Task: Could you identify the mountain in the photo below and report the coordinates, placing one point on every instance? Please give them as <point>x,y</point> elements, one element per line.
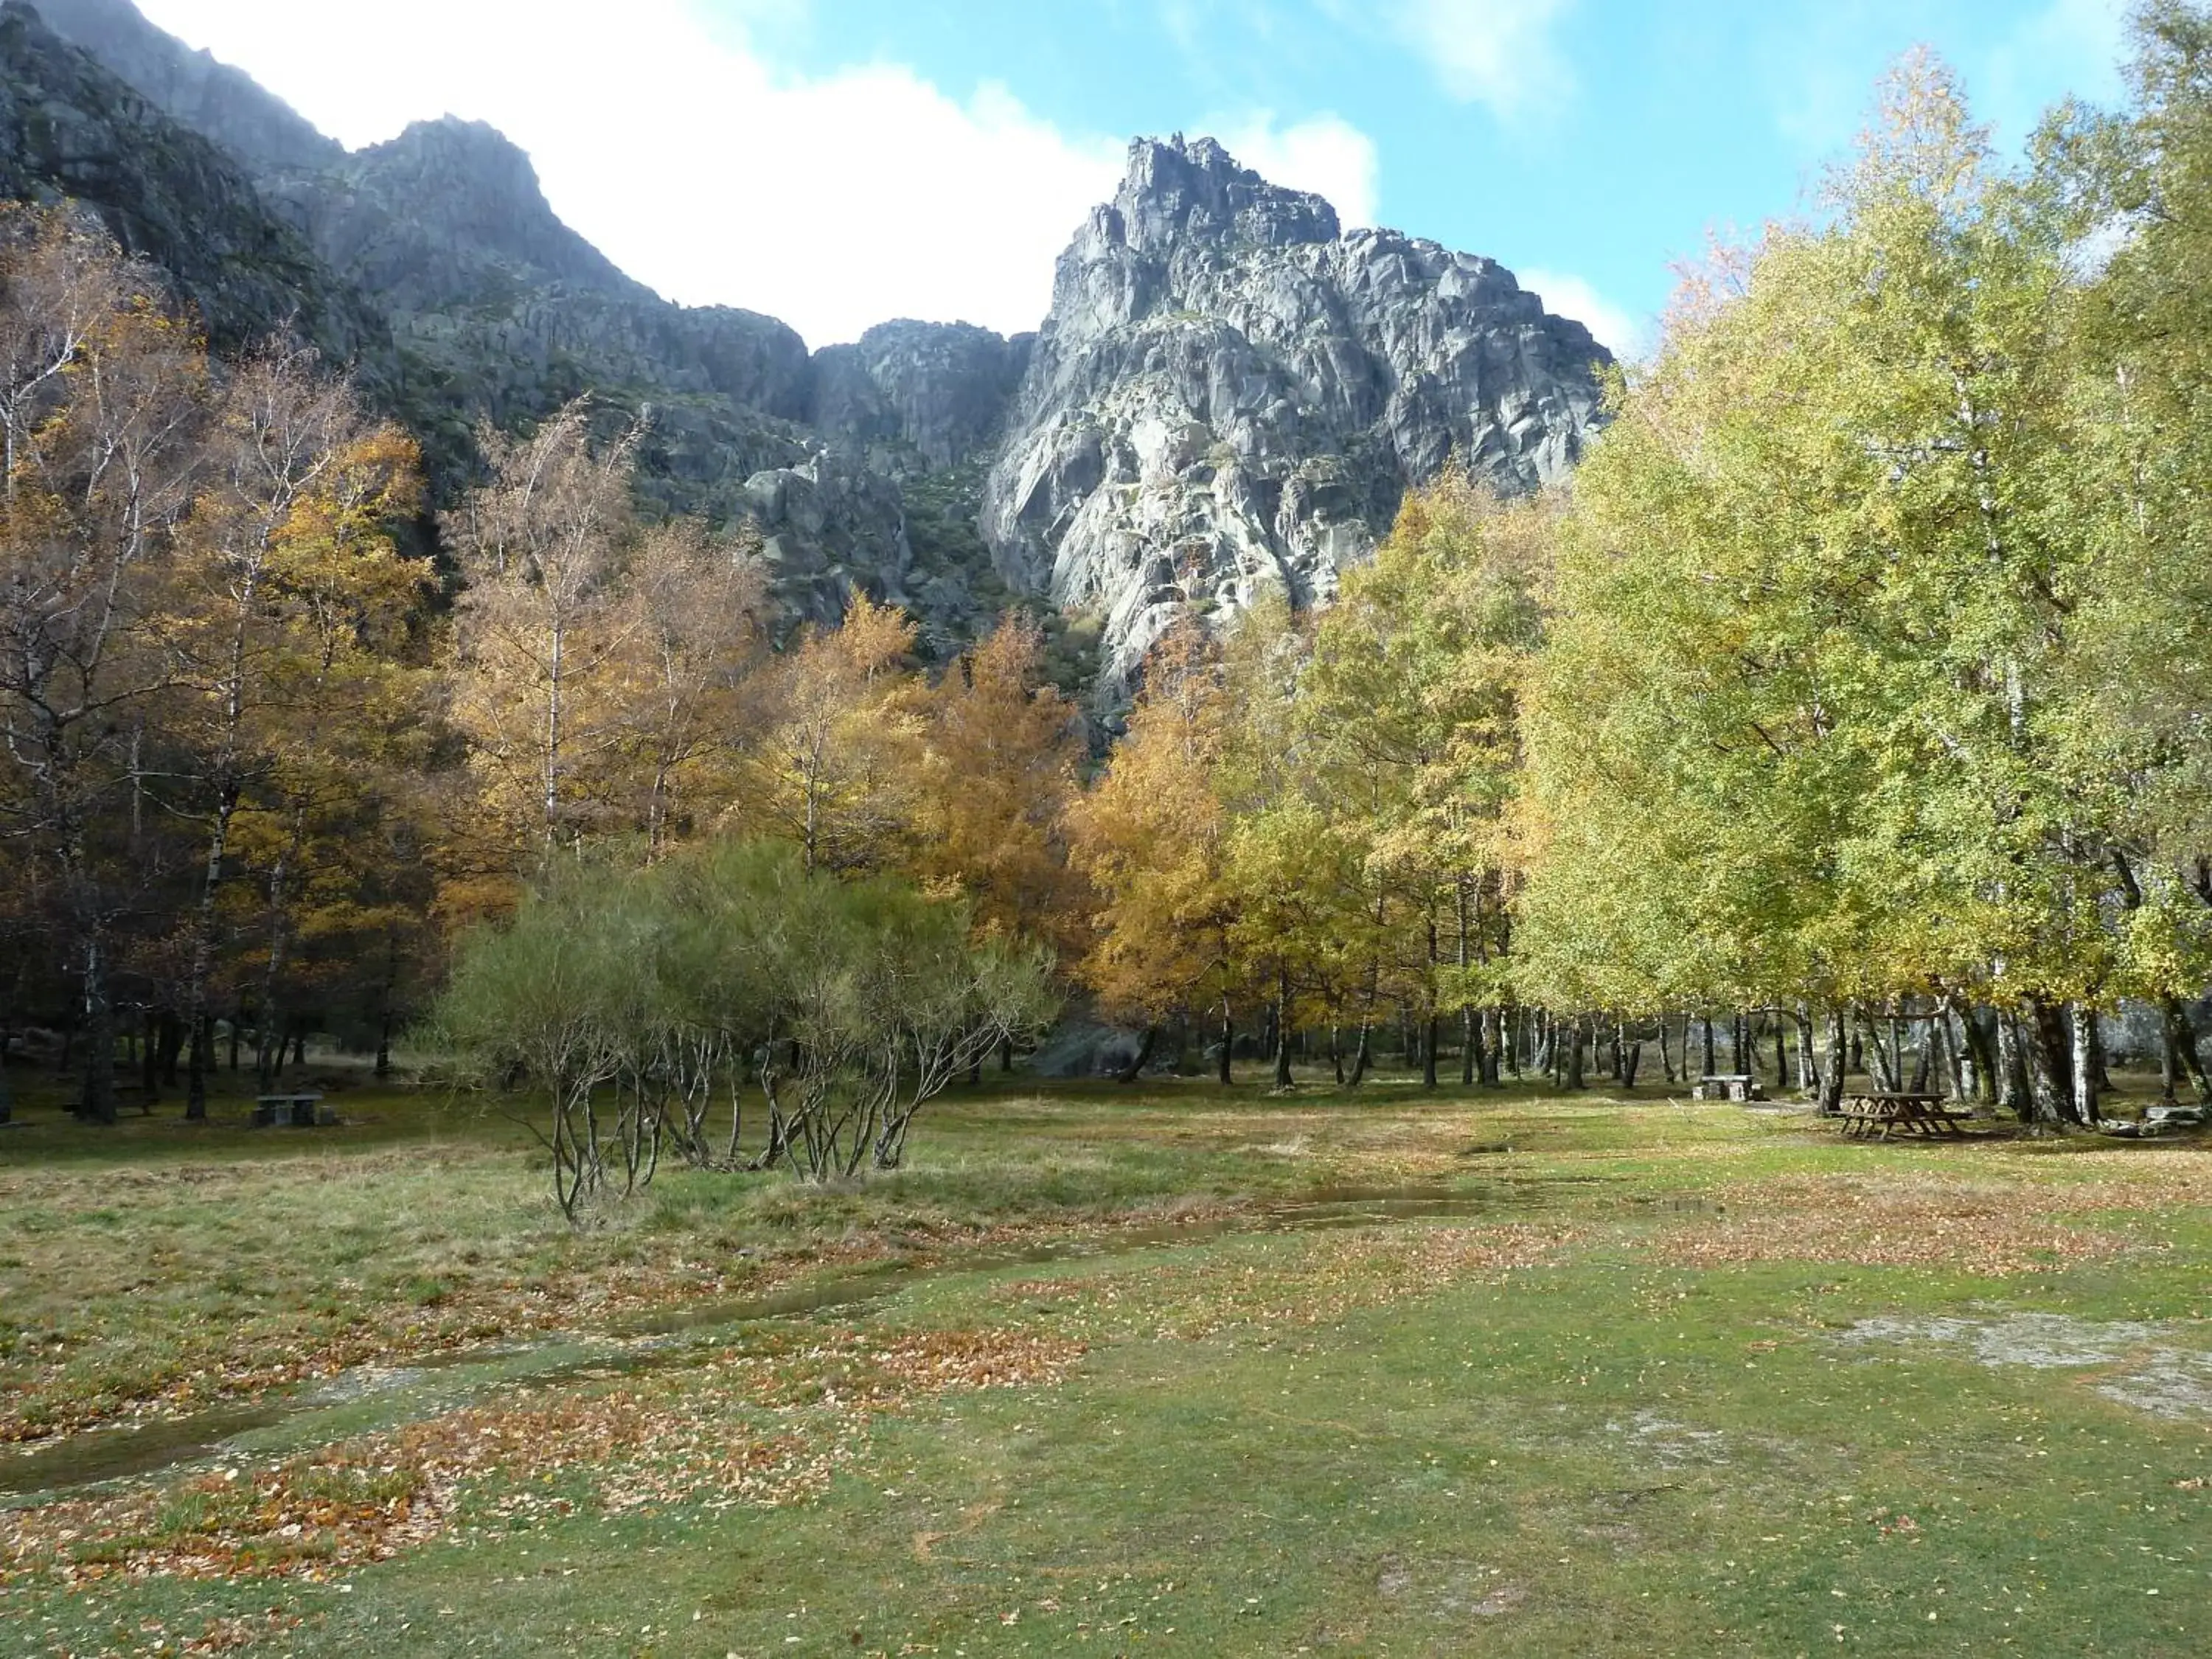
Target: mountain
<point>1227,392</point>
<point>69,129</point>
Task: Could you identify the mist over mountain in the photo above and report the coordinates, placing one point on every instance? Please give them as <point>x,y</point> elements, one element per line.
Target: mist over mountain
<point>1227,393</point>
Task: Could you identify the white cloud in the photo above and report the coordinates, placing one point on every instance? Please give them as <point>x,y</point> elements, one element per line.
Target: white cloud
<point>1499,52</point>
<point>1571,296</point>
<point>832,203</point>
<point>1325,153</point>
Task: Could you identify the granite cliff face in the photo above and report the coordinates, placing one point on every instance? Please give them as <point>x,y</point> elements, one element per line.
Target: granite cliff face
<point>918,397</point>
<point>1230,394</point>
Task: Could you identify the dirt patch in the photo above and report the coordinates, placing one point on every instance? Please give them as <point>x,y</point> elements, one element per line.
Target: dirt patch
<point>1448,1590</point>
<point>2141,1365</point>
<point>1673,1445</point>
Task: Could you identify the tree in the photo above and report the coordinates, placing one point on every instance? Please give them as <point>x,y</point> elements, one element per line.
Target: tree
<point>1413,707</point>
<point>99,399</point>
<point>540,627</point>
<point>695,624</point>
<point>853,1004</point>
<point>996,759</point>
<point>832,765</point>
<point>1149,837</point>
<point>283,599</point>
<point>1809,725</point>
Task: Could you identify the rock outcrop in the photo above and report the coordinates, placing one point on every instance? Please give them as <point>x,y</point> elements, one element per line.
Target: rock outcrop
<point>1230,394</point>
<point>918,397</point>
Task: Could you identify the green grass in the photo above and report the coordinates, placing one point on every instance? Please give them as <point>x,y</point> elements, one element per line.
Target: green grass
<point>1621,1408</point>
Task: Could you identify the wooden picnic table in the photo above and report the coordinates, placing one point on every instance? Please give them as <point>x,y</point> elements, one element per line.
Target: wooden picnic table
<point>1881,1111</point>
<point>300,1111</point>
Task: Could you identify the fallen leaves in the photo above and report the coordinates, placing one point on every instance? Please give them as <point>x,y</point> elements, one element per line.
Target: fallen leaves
<point>756,1429</point>
<point>1902,1219</point>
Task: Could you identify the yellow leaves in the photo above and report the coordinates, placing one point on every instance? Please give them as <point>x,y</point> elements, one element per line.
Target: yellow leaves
<point>831,765</point>
<point>1149,837</point>
<point>996,761</point>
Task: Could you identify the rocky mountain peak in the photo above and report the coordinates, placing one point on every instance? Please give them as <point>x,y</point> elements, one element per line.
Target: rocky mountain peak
<point>1231,395</point>
<point>466,183</point>
<point>1178,191</point>
<point>224,104</point>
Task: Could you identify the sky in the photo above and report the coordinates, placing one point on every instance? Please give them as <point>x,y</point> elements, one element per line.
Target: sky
<point>839,162</point>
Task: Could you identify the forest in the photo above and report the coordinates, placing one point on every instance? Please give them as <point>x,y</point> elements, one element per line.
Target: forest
<point>1849,710</point>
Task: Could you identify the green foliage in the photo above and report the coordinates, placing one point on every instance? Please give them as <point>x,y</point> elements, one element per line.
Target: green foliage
<point>851,1003</point>
<point>1829,707</point>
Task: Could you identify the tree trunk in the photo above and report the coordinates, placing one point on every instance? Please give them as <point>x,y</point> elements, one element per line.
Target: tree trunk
<point>1135,1068</point>
<point>2181,1045</point>
<point>96,1098</point>
<point>1283,1079</point>
<point>1983,1057</point>
<point>1228,1042</point>
<point>1360,1058</point>
<point>2050,1062</point>
<point>202,1041</point>
<point>1808,1070</point>
<point>2088,1063</point>
<point>1881,1069</point>
<point>172,1045</point>
<point>1832,1077</point>
<point>1431,1029</point>
<point>2012,1069</point>
<point>1491,1032</point>
<point>1470,1045</point>
<point>1954,1073</point>
<point>1710,1066</point>
<point>1577,1035</point>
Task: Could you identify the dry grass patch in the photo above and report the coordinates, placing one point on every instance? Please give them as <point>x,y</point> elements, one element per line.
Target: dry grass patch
<point>1317,1280</point>
<point>1901,1219</point>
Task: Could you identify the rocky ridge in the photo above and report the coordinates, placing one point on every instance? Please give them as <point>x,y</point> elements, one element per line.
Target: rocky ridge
<point>1229,393</point>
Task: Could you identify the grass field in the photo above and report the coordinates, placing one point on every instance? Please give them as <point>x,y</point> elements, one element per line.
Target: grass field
<point>1163,1370</point>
